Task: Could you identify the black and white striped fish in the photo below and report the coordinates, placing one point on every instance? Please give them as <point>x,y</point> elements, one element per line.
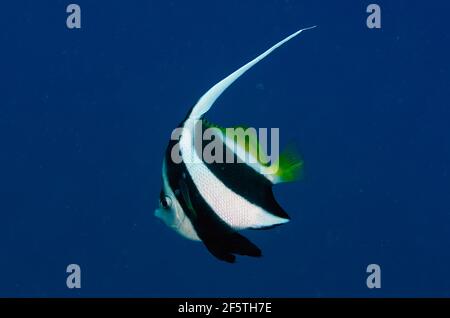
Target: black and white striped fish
<point>212,202</point>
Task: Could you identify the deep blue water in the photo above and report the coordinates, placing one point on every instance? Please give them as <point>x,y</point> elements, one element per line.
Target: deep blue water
<point>85,116</point>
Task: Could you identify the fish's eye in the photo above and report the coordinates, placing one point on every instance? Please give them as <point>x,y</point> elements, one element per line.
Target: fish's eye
<point>166,202</point>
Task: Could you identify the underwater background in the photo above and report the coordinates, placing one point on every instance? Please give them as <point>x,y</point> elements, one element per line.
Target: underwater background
<point>86,114</point>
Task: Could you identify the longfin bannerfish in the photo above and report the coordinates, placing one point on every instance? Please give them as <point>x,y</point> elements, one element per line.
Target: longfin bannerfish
<point>212,202</point>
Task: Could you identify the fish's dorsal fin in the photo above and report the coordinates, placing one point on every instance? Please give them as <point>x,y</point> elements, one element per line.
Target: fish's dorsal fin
<point>208,99</point>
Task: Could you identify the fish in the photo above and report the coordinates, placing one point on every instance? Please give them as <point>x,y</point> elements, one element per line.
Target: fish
<point>213,202</point>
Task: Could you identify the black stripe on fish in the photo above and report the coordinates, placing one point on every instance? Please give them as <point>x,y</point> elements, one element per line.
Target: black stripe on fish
<point>219,238</point>
<point>247,183</point>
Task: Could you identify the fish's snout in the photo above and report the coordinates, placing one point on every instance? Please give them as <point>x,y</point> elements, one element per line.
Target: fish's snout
<point>158,213</point>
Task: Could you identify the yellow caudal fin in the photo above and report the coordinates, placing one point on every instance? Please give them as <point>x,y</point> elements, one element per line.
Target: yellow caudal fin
<point>288,167</point>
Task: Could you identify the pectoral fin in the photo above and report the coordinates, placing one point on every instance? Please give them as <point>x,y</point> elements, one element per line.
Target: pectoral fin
<point>185,193</point>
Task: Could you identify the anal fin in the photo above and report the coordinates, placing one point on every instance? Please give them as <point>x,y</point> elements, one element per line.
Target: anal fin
<point>224,246</point>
